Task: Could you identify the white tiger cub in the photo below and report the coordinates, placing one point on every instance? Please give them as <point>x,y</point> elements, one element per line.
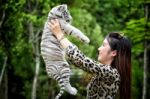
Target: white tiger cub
<point>52,52</point>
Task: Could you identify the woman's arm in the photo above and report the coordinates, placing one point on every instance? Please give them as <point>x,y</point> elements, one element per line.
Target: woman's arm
<point>77,57</point>
<point>87,64</point>
<point>55,27</point>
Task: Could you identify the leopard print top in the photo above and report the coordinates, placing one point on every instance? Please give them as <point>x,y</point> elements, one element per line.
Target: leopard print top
<point>105,83</point>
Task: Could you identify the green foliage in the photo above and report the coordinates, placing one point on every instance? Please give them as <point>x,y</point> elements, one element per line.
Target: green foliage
<point>137,79</point>
<point>95,18</point>
<point>135,29</point>
<point>90,28</point>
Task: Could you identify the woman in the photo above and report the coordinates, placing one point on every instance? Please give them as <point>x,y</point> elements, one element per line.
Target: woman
<point>113,71</point>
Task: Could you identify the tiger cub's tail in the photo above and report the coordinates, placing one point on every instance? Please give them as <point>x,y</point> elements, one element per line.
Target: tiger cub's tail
<point>64,83</point>
<point>61,85</point>
<point>60,92</point>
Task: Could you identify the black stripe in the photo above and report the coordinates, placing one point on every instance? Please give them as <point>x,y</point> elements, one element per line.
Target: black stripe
<point>51,13</point>
<point>61,82</point>
<point>71,32</point>
<point>58,79</point>
<point>58,16</point>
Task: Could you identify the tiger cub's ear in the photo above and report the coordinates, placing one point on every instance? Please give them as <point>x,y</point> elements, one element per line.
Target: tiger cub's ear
<point>62,7</point>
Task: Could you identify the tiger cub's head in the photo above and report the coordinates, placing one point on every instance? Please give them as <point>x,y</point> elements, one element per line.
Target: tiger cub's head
<point>60,12</point>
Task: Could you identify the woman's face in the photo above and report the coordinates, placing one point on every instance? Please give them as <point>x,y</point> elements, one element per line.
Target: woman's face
<point>106,55</point>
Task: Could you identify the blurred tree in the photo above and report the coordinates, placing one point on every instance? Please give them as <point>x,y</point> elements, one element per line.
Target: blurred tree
<point>21,24</point>
<point>146,49</point>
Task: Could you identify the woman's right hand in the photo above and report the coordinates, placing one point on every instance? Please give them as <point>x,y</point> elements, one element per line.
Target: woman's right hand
<point>55,28</point>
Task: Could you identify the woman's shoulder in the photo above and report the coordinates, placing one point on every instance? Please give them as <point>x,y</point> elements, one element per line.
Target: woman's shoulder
<point>89,64</point>
<point>108,71</point>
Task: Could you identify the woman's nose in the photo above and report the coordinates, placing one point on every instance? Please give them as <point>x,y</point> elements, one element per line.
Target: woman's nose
<point>99,48</point>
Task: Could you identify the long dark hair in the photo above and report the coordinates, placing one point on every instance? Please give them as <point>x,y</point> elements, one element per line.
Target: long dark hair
<point>122,61</point>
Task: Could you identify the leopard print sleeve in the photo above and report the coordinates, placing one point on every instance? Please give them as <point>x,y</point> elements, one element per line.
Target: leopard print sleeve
<point>80,60</point>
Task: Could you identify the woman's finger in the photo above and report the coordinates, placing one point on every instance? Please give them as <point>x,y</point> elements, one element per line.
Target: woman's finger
<point>50,25</point>
<point>56,21</point>
<point>52,22</point>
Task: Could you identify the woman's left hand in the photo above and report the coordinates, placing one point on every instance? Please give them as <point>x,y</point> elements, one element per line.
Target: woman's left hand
<point>56,29</point>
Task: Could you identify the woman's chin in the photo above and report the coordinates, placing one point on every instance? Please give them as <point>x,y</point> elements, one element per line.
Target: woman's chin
<point>99,60</point>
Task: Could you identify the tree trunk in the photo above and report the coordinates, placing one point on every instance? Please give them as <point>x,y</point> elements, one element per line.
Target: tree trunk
<point>3,70</point>
<point>145,52</point>
<point>6,86</point>
<point>37,60</point>
<point>33,39</point>
<point>2,19</point>
<point>145,74</point>
<point>4,81</point>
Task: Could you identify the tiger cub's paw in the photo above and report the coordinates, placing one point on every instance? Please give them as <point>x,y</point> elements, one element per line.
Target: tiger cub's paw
<point>73,91</point>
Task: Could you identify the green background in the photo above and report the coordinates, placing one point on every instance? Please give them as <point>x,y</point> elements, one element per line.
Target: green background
<point>21,25</point>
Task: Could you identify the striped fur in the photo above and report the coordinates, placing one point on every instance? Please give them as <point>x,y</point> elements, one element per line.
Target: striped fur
<point>52,52</point>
